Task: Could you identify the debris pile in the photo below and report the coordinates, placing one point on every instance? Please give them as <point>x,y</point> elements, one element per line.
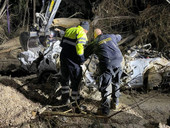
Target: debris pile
<point>144,67</point>
<point>139,22</point>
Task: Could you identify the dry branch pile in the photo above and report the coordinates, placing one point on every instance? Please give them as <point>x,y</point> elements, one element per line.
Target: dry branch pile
<point>3,23</point>
<point>154,25</point>
<point>141,21</point>
<point>149,21</point>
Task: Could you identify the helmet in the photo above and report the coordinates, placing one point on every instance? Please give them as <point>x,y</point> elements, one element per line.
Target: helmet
<point>85,25</point>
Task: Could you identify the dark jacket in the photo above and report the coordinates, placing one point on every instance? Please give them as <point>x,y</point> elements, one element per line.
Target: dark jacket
<point>106,48</point>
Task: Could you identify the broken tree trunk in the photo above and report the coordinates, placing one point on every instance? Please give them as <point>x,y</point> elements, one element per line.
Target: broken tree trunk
<point>134,41</point>
<point>34,10</point>
<point>8,53</point>
<point>11,43</point>
<point>66,22</point>
<point>10,49</point>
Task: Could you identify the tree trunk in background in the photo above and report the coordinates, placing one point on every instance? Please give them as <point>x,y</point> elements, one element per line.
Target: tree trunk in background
<point>25,13</point>
<point>34,10</point>
<point>3,8</point>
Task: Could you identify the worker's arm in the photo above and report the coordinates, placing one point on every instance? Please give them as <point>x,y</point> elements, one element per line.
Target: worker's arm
<point>116,38</point>
<point>90,48</point>
<point>81,41</point>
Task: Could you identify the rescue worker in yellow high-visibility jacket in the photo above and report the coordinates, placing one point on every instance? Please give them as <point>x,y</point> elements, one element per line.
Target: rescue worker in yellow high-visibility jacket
<point>71,57</point>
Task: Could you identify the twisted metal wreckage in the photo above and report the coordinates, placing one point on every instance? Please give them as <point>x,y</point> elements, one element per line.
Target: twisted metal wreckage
<point>142,66</point>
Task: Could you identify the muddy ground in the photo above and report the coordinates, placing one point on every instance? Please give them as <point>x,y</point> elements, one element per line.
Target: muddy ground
<point>23,107</point>
<point>25,103</point>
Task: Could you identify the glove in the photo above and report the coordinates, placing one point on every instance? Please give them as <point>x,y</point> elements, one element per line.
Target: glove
<point>81,59</point>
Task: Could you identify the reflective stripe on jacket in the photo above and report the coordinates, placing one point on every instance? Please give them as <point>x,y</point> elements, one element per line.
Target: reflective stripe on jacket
<point>73,44</point>
<point>106,48</point>
<point>77,37</point>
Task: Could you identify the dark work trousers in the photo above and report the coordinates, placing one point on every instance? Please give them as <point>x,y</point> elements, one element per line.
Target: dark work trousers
<point>73,72</point>
<point>109,84</point>
<point>117,72</point>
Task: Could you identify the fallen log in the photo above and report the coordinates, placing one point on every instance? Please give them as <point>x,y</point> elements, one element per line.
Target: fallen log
<point>9,49</point>
<point>134,41</point>
<point>11,43</point>
<point>66,22</point>
<point>57,113</point>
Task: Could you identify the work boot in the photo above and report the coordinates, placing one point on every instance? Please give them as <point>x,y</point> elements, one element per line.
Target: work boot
<point>114,106</point>
<point>64,102</point>
<point>104,111</point>
<point>65,99</point>
<point>105,107</point>
<point>114,103</point>
<point>75,105</point>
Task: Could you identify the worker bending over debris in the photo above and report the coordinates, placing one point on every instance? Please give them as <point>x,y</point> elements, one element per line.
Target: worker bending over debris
<point>110,57</point>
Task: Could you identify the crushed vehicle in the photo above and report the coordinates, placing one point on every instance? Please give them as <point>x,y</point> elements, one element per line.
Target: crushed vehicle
<point>145,68</point>
<point>42,63</point>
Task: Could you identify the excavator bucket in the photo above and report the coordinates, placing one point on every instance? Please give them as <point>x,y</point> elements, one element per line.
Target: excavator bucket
<point>36,38</point>
<point>31,43</point>
<point>24,38</point>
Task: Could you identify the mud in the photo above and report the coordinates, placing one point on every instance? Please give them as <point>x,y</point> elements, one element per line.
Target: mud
<point>20,105</point>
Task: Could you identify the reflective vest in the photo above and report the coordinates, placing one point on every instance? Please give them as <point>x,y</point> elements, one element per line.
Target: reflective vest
<point>77,37</point>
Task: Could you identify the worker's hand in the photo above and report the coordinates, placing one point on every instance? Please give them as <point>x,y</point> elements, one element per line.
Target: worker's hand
<point>81,60</point>
<point>81,63</point>
<point>83,67</point>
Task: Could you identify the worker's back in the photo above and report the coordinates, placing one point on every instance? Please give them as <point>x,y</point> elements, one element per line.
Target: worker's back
<point>107,49</point>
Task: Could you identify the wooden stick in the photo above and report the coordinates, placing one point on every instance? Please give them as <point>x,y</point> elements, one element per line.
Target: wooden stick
<point>25,13</point>
<point>126,39</point>
<point>51,113</point>
<point>34,10</point>
<point>10,49</point>
<point>3,7</point>
<point>113,18</point>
